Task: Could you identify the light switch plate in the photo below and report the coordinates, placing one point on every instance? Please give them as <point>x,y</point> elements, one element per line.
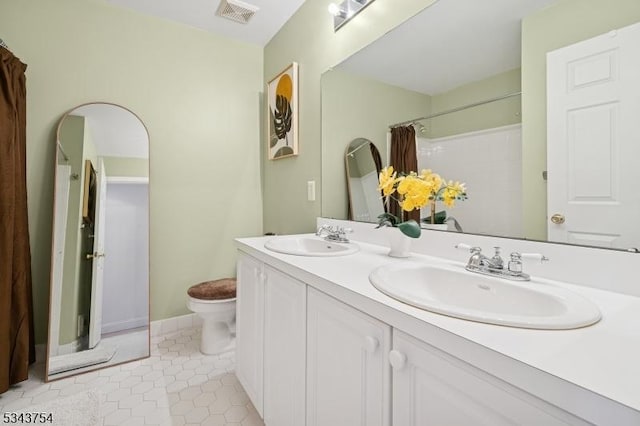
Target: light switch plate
<point>311,190</point>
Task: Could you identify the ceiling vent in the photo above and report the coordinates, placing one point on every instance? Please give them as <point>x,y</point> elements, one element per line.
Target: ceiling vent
<point>236,10</point>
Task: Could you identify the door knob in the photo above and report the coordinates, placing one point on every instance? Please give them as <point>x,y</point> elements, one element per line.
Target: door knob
<point>95,255</point>
<point>397,359</point>
<point>557,218</point>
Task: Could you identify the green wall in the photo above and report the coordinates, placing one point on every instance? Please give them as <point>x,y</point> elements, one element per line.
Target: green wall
<point>308,38</point>
<point>356,107</point>
<point>488,116</point>
<point>564,23</point>
<point>126,166</point>
<point>199,96</point>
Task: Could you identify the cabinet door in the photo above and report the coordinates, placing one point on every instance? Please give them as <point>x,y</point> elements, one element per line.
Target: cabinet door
<point>348,374</point>
<point>249,327</point>
<point>434,388</point>
<point>284,349</point>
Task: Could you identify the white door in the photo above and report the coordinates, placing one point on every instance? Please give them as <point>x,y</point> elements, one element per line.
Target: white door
<point>63,184</point>
<point>593,140</point>
<point>348,373</point>
<point>284,349</point>
<point>97,276</point>
<point>250,328</point>
<point>431,388</point>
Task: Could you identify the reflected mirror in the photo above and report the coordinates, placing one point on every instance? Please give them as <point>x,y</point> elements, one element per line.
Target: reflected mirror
<point>363,164</point>
<point>472,78</point>
<point>99,297</point>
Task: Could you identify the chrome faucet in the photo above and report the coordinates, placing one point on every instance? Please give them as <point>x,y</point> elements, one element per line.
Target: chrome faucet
<point>336,234</point>
<point>494,266</point>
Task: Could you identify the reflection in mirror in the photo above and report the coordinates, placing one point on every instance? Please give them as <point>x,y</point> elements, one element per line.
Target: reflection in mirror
<point>363,164</point>
<point>458,53</point>
<point>99,308</point>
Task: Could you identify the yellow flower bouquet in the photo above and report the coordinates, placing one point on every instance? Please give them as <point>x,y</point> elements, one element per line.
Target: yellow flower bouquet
<point>414,191</point>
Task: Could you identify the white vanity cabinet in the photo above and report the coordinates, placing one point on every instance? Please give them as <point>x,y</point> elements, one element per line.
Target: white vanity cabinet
<point>432,388</point>
<point>306,358</point>
<point>271,341</point>
<point>348,373</point>
<point>249,328</point>
<point>284,349</point>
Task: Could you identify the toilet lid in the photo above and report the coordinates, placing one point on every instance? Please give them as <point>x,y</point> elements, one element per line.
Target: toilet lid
<point>224,288</point>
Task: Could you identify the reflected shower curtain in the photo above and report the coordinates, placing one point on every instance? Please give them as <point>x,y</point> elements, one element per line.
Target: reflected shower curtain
<point>404,158</point>
<point>16,309</point>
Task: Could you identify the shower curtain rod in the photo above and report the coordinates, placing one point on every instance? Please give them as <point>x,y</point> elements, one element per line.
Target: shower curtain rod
<point>475,104</point>
<point>360,146</point>
<point>64,154</point>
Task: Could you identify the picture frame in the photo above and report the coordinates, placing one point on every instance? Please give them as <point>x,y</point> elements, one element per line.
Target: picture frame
<point>282,114</point>
<point>89,193</point>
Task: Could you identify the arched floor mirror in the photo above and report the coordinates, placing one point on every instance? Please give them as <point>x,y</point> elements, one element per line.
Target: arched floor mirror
<point>99,297</point>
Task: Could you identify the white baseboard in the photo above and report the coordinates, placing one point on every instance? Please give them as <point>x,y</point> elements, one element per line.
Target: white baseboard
<point>175,324</point>
<point>113,327</point>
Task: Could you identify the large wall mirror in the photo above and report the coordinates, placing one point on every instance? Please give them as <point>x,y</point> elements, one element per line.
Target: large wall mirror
<point>543,158</point>
<point>99,309</point>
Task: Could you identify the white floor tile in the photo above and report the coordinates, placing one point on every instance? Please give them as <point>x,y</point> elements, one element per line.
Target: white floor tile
<point>176,386</point>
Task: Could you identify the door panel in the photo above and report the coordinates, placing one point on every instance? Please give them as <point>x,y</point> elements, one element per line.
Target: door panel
<point>593,140</point>
<point>249,328</point>
<point>348,373</point>
<point>285,301</point>
<point>432,388</point>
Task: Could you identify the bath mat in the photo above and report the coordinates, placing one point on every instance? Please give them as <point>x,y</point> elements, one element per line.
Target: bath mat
<point>81,409</point>
<point>99,355</point>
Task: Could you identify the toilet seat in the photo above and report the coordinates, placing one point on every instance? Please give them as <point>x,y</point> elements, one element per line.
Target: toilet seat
<point>216,290</point>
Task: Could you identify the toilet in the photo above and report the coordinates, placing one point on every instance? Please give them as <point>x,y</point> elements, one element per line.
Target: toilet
<point>215,303</point>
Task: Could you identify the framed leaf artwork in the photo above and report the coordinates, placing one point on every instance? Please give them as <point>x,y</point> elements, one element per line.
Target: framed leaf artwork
<point>282,102</point>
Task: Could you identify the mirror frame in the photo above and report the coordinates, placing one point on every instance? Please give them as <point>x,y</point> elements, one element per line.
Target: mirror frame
<point>47,377</point>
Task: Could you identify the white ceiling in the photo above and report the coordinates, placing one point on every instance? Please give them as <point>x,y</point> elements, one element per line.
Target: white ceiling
<point>451,43</point>
<point>115,131</point>
<point>201,14</point>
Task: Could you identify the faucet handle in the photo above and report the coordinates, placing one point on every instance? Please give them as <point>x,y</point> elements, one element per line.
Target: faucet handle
<point>347,230</point>
<point>462,246</point>
<point>533,256</point>
<point>497,260</point>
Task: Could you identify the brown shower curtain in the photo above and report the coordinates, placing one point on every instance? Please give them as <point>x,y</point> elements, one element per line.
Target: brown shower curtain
<point>17,349</point>
<point>403,158</point>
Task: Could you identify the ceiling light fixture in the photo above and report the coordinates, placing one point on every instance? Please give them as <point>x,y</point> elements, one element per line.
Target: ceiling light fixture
<point>346,11</point>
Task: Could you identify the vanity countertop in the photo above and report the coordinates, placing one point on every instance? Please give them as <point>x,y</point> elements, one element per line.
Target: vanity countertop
<point>581,365</point>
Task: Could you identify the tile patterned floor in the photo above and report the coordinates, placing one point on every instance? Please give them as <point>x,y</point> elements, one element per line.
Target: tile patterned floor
<point>176,386</point>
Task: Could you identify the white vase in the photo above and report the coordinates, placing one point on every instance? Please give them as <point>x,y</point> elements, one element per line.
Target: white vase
<point>399,244</point>
<point>436,226</point>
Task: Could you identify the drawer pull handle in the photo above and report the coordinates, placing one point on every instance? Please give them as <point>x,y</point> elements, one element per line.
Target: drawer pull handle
<point>397,359</point>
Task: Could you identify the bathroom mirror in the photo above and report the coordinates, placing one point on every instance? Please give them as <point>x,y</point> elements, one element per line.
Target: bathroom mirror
<point>493,55</point>
<point>363,164</point>
<point>99,297</point>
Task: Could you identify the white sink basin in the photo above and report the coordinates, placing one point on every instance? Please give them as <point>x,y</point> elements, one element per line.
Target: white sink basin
<point>462,294</point>
<point>310,246</point>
